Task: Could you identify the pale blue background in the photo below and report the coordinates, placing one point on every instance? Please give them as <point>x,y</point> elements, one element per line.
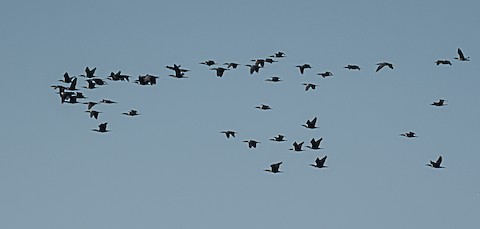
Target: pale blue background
<point>171,168</point>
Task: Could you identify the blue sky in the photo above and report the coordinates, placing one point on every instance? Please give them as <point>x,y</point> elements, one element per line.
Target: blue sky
<point>171,166</point>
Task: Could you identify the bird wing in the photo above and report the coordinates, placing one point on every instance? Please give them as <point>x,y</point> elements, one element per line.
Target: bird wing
<point>380,66</point>
<point>314,121</point>
<point>439,160</point>
<point>321,162</point>
<point>460,54</point>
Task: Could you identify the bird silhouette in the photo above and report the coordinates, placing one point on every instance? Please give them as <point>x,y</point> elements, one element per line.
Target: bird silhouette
<point>444,62</point>
<point>102,128</point>
<point>220,71</point>
<point>231,65</point>
<point>228,133</point>
<point>461,57</point>
<point>264,107</point>
<point>383,64</point>
<point>278,138</point>
<point>325,74</point>
<point>89,73</point>
<point>303,67</point>
<point>131,113</point>
<point>441,102</point>
<point>274,168</point>
<point>278,55</point>
<point>274,79</point>
<point>315,144</point>
<point>253,68</point>
<point>436,164</point>
<point>259,62</point>
<point>179,72</point>
<point>311,124</point>
<point>320,163</point>
<point>66,78</point>
<point>90,85</point>
<point>208,62</point>
<point>107,101</point>
<point>270,60</point>
<point>93,113</point>
<point>90,104</point>
<point>309,85</point>
<point>252,143</point>
<point>73,84</point>
<point>352,67</point>
<point>297,147</point>
<point>409,134</point>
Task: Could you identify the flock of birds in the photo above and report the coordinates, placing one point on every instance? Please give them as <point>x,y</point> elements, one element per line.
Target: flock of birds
<point>70,94</point>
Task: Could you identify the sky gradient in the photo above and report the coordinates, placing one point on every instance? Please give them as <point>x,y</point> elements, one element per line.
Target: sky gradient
<point>172,168</point>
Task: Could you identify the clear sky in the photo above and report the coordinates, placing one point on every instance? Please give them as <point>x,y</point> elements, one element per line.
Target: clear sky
<point>172,168</point>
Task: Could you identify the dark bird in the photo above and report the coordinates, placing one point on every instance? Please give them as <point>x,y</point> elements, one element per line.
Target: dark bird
<point>231,64</point>
<point>274,79</point>
<point>93,113</point>
<point>278,55</point>
<point>409,134</point>
<point>66,78</point>
<point>352,67</point>
<point>72,99</point>
<point>146,79</point>
<point>73,85</point>
<point>264,107</point>
<point>90,85</point>
<point>208,62</point>
<point>259,62</point>
<point>445,62</point>
<point>89,73</point>
<point>98,81</point>
<point>90,104</point>
<point>251,143</point>
<point>179,72</point>
<point>80,95</point>
<point>461,57</point>
<point>311,124</point>
<point>118,76</point>
<point>220,71</point>
<point>320,163</point>
<point>303,67</point>
<point>270,60</point>
<point>383,64</point>
<point>441,102</point>
<point>131,113</point>
<point>253,68</point>
<point>436,164</point>
<point>274,168</point>
<point>107,101</point>
<point>297,147</point>
<point>325,74</point>
<point>228,133</point>
<point>279,138</point>
<point>315,144</point>
<point>309,85</point>
<point>102,128</point>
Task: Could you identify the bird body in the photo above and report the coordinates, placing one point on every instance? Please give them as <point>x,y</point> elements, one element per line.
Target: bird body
<point>320,163</point>
<point>315,144</point>
<point>251,143</point>
<point>311,124</point>
<point>309,85</point>
<point>444,62</point>
<point>229,133</point>
<point>383,64</point>
<point>325,74</point>
<point>303,67</point>
<point>352,67</point>
<point>441,102</point>
<point>297,147</point>
<point>131,113</point>
<point>278,138</point>
<point>461,57</point>
<point>102,128</point>
<point>264,107</point>
<point>409,134</point>
<point>274,79</point>
<point>220,71</point>
<point>436,164</point>
<point>274,168</point>
<point>93,113</point>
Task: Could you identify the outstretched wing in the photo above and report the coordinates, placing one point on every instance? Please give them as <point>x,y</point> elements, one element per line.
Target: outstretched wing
<point>460,54</point>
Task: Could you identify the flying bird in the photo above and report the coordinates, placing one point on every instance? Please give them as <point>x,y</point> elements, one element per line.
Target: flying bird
<point>220,71</point>
<point>263,107</point>
<point>352,67</point>
<point>297,147</point>
<point>461,57</point>
<point>325,74</point>
<point>231,64</point>
<point>320,163</point>
<point>73,85</point>
<point>444,62</point>
<point>303,67</point>
<point>89,73</point>
<point>274,79</point>
<point>383,64</point>
<point>274,168</point>
<point>270,60</point>
<point>436,164</point>
<point>208,62</point>
<point>441,102</point>
<point>228,133</point>
<point>252,143</point>
<point>311,124</point>
<point>66,78</point>
<point>409,134</point>
<point>253,68</point>
<point>93,113</point>
<point>315,144</point>
<point>90,85</point>
<point>102,128</point>
<point>259,62</point>
<point>107,101</point>
<point>90,104</point>
<point>131,113</point>
<point>309,85</point>
<point>278,55</point>
<point>278,138</point>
